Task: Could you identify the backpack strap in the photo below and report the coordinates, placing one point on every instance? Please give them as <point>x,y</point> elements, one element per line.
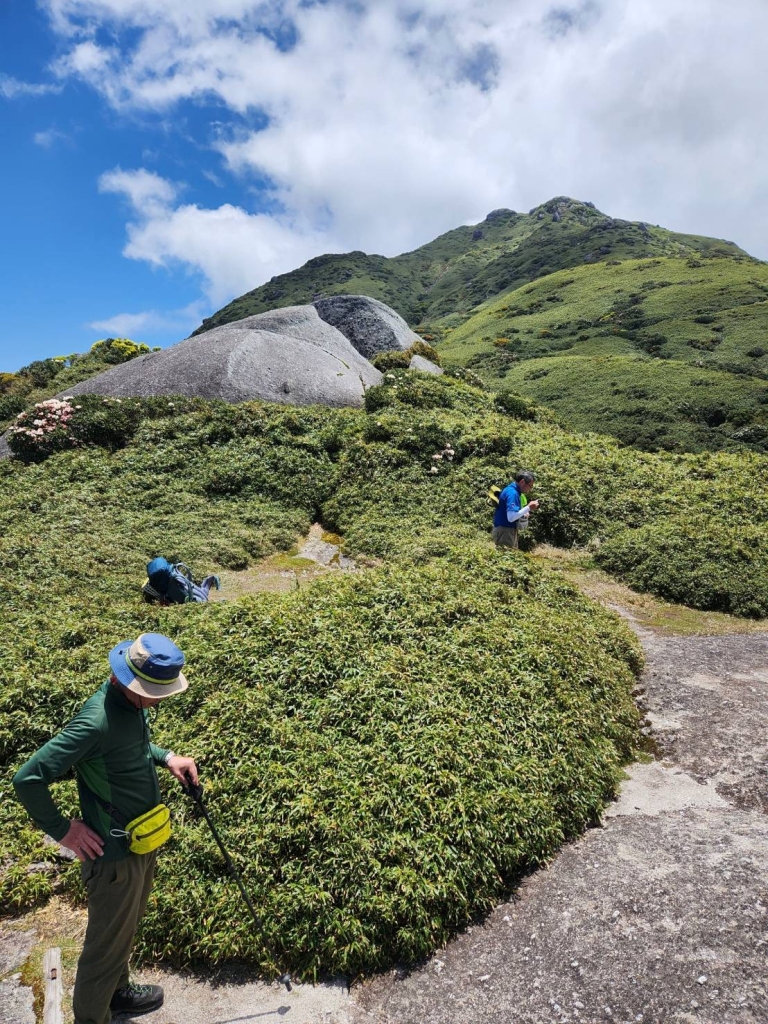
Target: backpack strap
<point>185,573</point>
<point>111,810</point>
<point>150,593</point>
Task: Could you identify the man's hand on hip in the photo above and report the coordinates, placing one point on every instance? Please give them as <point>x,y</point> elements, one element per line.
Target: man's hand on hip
<point>83,841</point>
<point>179,766</point>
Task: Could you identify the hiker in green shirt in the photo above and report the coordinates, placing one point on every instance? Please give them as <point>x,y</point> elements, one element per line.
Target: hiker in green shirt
<point>108,745</point>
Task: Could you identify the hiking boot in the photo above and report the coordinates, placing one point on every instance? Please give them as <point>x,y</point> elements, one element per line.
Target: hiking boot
<point>136,999</point>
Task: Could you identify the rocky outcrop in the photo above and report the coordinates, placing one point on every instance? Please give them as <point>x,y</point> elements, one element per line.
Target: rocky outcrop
<point>287,355</point>
<point>370,325</point>
<point>501,214</point>
<point>298,355</point>
<point>425,365</point>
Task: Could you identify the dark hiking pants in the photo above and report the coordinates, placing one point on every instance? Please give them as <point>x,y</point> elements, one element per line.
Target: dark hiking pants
<point>505,536</point>
<point>117,896</point>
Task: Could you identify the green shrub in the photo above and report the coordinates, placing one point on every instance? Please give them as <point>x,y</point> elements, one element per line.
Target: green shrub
<point>465,375</point>
<point>702,560</point>
<point>35,382</point>
<point>400,359</point>
<point>363,749</point>
<point>385,750</point>
<point>41,372</point>
<point>650,405</point>
<point>423,348</point>
<point>44,429</point>
<point>11,404</point>
<point>55,425</point>
<point>423,391</point>
<point>7,380</point>
<point>515,405</point>
<point>395,360</point>
<point>118,350</point>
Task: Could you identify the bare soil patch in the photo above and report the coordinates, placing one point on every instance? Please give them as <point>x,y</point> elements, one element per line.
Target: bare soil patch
<point>315,555</point>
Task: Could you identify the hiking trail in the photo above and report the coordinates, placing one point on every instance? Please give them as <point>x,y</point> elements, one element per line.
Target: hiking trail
<point>657,916</point>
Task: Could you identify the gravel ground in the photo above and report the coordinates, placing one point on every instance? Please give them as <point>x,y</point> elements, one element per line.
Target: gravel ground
<point>15,998</point>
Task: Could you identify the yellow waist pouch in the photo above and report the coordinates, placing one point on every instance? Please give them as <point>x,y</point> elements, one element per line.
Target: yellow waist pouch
<point>148,831</point>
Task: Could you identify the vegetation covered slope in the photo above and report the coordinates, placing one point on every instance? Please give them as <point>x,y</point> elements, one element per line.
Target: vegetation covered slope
<point>566,279</point>
<point>470,264</point>
<point>387,751</point>
<point>709,312</point>
<point>649,403</point>
<point>663,353</point>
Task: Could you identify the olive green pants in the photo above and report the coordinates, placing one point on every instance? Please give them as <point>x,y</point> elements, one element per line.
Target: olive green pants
<point>117,897</point>
<point>505,536</point>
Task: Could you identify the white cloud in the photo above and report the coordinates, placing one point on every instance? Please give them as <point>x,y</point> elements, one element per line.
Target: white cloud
<point>232,249</point>
<point>228,246</point>
<point>150,322</point>
<point>388,122</point>
<point>86,59</point>
<point>11,87</point>
<point>214,178</point>
<point>145,190</point>
<point>47,138</point>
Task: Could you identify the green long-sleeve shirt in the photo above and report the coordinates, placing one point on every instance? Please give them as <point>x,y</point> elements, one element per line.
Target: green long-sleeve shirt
<point>108,744</point>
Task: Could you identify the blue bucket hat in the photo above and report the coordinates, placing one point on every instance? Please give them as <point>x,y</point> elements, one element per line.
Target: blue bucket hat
<point>150,666</point>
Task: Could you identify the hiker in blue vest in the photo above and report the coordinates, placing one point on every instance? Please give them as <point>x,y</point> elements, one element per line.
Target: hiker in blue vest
<point>513,509</point>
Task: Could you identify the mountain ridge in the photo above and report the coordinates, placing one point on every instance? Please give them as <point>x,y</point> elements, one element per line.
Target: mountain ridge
<point>471,263</point>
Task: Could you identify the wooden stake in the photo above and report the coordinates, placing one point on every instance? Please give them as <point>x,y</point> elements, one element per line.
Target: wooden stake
<point>54,986</point>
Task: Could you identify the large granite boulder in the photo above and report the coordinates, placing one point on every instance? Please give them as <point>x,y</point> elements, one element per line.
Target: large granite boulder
<point>425,365</point>
<point>296,355</point>
<point>286,355</point>
<point>370,325</point>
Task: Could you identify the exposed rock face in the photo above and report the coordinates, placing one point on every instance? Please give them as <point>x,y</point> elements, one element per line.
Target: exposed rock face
<point>298,355</point>
<point>287,355</point>
<point>425,365</point>
<point>501,214</point>
<point>370,325</point>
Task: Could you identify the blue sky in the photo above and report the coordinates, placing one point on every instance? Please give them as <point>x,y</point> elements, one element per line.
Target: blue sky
<point>63,267</point>
<point>163,156</point>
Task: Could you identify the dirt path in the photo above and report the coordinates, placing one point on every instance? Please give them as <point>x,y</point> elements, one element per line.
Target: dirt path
<point>658,916</point>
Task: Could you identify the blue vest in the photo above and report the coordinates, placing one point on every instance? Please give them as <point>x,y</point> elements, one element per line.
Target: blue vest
<point>509,499</point>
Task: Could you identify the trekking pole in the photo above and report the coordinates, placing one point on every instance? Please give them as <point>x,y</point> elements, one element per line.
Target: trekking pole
<point>196,792</point>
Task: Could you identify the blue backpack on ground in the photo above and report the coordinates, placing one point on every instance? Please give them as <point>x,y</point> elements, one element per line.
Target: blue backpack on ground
<point>172,583</point>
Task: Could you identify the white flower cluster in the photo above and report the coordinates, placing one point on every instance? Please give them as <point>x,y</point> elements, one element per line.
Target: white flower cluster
<point>393,377</point>
<point>446,455</point>
<point>46,417</point>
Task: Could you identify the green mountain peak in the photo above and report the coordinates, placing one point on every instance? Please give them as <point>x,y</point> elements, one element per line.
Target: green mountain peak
<point>473,263</point>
